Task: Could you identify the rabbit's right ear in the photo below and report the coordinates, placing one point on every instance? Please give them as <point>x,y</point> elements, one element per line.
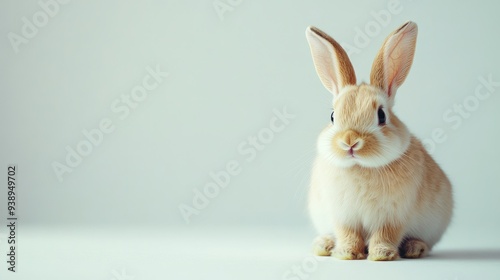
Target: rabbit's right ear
<point>330,60</point>
<point>394,59</point>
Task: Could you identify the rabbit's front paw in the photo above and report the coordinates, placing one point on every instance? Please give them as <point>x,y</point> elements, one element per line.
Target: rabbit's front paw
<point>349,253</point>
<point>382,252</point>
<point>323,245</point>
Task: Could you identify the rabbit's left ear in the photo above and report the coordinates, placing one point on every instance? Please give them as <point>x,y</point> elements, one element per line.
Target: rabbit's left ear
<point>394,59</point>
<point>330,60</point>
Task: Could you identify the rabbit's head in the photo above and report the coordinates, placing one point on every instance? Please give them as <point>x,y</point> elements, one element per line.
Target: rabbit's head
<point>363,130</point>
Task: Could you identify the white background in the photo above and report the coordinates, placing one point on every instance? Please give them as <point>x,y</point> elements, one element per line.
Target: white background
<point>227,73</point>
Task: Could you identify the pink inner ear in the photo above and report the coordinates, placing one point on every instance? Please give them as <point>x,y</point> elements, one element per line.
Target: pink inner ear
<point>390,66</point>
<point>399,59</point>
<point>390,88</point>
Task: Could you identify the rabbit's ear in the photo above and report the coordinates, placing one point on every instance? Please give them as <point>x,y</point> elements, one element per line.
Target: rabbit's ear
<point>394,59</point>
<point>330,60</point>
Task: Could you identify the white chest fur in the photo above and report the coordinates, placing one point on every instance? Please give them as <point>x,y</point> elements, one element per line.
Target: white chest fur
<point>362,197</point>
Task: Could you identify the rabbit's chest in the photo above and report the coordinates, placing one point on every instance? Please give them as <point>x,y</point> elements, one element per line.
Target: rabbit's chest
<point>371,202</point>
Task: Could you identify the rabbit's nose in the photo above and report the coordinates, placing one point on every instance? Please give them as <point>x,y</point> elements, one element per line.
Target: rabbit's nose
<point>351,141</point>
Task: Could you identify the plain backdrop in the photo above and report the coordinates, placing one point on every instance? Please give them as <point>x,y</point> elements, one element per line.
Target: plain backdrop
<point>229,72</point>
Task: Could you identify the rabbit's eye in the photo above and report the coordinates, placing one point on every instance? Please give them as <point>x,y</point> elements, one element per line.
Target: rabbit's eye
<point>331,117</point>
<point>381,116</point>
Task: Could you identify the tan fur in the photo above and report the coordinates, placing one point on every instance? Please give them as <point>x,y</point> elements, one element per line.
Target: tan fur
<point>348,77</point>
<point>413,248</point>
<point>354,245</point>
<point>370,145</point>
<point>326,51</point>
<point>374,183</point>
<point>385,75</point>
<point>384,243</point>
<point>355,107</point>
<point>377,77</point>
<point>389,178</point>
<point>323,245</point>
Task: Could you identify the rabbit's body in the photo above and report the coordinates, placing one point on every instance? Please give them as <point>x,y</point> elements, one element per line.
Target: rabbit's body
<point>373,183</point>
<point>402,193</point>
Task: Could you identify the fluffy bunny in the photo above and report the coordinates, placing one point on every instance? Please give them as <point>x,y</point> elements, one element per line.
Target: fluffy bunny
<point>374,189</point>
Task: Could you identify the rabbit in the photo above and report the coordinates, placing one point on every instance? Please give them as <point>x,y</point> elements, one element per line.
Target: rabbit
<point>375,192</point>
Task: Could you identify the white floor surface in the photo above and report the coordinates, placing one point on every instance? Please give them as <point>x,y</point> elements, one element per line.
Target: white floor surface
<point>147,253</point>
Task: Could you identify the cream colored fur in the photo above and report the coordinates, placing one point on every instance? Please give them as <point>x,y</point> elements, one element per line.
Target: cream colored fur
<point>373,185</point>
